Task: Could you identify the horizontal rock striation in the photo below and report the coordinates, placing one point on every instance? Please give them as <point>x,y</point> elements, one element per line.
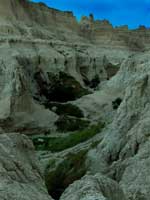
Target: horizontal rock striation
<point>56,73</point>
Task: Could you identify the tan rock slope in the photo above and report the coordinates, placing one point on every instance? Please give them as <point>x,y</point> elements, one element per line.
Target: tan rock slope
<point>42,42</point>
<point>49,61</point>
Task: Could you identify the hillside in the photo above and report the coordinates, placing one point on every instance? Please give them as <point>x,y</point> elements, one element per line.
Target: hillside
<point>74,106</point>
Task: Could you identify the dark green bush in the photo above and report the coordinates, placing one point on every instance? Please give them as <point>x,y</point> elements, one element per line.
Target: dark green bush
<point>66,109</point>
<point>116,103</point>
<point>92,83</point>
<point>59,88</point>
<point>95,82</point>
<point>71,169</point>
<point>66,123</point>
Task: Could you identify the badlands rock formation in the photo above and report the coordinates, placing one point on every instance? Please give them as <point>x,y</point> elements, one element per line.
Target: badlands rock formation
<point>80,92</point>
<point>20,175</point>
<point>123,153</point>
<point>94,187</point>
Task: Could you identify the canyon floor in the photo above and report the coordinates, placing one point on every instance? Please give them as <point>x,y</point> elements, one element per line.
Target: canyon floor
<point>74,106</point>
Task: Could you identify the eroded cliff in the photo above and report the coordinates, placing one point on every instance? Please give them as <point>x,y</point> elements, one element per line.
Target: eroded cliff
<point>80,91</point>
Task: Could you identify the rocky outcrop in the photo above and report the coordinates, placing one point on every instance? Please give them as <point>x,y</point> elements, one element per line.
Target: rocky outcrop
<point>23,10</point>
<point>32,76</point>
<point>20,174</point>
<point>93,187</point>
<point>58,76</point>
<point>123,152</point>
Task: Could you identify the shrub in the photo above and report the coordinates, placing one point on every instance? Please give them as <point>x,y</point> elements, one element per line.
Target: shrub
<point>71,169</point>
<point>66,123</point>
<point>116,103</point>
<point>95,144</point>
<point>95,82</point>
<point>66,109</point>
<point>59,88</point>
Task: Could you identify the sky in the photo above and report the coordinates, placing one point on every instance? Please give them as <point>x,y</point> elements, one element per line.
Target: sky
<point>119,12</point>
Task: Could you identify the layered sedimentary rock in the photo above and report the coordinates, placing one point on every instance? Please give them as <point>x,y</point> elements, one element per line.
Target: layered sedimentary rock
<point>42,43</point>
<point>21,177</point>
<point>59,75</point>
<point>123,153</point>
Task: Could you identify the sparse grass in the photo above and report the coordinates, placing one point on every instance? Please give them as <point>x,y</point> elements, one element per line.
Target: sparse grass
<point>56,144</point>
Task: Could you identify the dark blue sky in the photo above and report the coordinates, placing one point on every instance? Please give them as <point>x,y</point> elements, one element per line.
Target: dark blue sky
<point>119,12</point>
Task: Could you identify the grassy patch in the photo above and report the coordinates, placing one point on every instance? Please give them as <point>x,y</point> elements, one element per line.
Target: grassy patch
<point>71,169</point>
<point>56,144</point>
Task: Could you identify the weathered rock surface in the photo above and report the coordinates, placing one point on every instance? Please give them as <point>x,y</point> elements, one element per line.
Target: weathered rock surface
<point>123,152</point>
<point>27,80</point>
<point>97,187</point>
<point>48,58</point>
<point>20,174</point>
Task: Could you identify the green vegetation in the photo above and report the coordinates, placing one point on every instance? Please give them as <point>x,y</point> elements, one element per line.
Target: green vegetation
<point>93,83</point>
<point>65,109</point>
<point>71,169</point>
<point>94,144</point>
<point>67,123</point>
<point>56,144</point>
<point>116,103</point>
<point>51,163</point>
<point>59,88</point>
<point>69,87</point>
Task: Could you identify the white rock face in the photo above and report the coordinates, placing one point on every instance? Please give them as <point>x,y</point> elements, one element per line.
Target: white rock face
<point>44,43</point>
<point>123,153</point>
<point>18,108</point>
<point>36,45</point>
<point>97,187</point>
<point>20,175</point>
